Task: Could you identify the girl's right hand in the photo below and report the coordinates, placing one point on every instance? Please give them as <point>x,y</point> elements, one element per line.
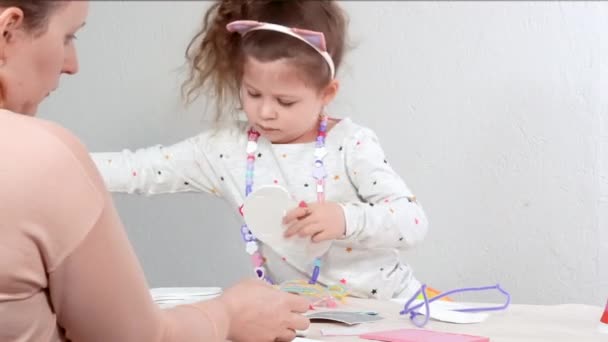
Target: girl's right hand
<point>260,313</point>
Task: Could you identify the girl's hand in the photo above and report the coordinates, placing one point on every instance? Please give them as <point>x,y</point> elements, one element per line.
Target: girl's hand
<point>320,221</point>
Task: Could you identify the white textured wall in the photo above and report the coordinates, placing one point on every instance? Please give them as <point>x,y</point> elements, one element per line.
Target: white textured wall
<point>495,113</point>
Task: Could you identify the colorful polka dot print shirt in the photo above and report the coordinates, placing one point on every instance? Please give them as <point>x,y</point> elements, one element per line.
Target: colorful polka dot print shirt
<point>383,217</point>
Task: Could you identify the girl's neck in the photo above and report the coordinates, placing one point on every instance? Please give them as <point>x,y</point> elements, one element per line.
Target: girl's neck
<point>311,135</point>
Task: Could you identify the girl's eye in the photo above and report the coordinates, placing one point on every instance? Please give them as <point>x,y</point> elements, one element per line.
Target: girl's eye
<point>286,103</point>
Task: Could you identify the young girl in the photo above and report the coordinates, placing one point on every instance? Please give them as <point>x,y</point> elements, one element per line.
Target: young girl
<point>278,59</point>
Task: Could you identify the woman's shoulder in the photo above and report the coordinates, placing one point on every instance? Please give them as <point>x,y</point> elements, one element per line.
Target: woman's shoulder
<point>42,148</point>
<point>38,137</point>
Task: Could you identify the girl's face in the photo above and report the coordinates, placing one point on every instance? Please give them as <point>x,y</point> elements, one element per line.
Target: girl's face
<point>279,103</point>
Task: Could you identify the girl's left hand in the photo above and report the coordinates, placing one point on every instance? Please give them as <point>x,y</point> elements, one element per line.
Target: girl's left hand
<point>320,221</point>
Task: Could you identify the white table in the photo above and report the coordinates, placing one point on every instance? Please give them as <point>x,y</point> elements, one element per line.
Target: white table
<point>519,323</point>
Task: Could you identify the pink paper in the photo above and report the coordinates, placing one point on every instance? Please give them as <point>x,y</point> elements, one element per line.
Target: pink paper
<point>418,335</point>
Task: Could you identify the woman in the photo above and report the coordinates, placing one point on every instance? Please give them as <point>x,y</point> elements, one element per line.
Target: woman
<point>67,270</point>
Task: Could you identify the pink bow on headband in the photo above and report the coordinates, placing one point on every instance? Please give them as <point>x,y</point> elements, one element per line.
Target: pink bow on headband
<point>317,39</point>
<point>313,38</point>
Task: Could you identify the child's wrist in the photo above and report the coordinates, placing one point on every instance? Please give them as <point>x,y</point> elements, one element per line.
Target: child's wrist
<point>345,226</point>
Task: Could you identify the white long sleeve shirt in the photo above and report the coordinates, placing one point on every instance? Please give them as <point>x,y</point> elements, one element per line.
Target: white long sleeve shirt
<point>382,214</point>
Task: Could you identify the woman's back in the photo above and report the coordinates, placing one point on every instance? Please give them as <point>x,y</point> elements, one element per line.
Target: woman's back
<point>66,266</point>
<point>44,189</point>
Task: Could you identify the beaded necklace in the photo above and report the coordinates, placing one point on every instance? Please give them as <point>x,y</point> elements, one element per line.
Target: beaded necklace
<point>319,174</point>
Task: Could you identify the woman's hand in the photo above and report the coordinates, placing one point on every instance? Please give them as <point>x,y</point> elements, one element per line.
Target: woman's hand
<point>260,313</point>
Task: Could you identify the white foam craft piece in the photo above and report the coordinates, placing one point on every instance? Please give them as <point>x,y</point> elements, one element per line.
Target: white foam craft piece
<point>181,292</point>
<point>263,212</point>
<point>445,311</point>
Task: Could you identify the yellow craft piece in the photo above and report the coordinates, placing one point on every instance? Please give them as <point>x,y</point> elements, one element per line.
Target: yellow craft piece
<point>318,293</point>
<point>431,292</point>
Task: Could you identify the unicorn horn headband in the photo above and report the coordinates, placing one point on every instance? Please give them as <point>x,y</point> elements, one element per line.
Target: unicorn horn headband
<point>313,38</point>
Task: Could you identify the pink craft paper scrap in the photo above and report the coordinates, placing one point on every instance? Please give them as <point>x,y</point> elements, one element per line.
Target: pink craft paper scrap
<point>420,335</point>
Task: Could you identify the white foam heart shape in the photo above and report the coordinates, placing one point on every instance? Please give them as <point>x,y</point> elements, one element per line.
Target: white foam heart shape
<point>263,212</point>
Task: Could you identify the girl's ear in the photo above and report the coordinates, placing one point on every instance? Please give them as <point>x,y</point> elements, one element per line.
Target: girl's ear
<point>330,92</point>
